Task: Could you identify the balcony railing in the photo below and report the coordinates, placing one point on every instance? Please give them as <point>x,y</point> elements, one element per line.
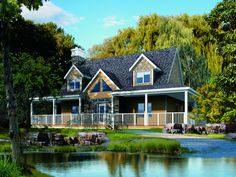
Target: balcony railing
<point>127,119</point>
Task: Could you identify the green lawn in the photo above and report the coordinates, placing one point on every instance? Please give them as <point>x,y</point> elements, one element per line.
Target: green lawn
<point>215,136</point>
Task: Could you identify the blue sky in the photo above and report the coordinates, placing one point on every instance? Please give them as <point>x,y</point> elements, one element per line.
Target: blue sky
<point>92,21</point>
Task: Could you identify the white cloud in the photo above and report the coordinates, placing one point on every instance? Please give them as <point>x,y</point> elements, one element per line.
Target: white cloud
<point>136,18</point>
<point>113,21</point>
<point>49,12</point>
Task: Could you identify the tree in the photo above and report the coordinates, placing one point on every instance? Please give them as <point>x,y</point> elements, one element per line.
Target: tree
<point>222,21</point>
<point>9,10</point>
<point>194,66</point>
<point>153,32</point>
<point>216,101</point>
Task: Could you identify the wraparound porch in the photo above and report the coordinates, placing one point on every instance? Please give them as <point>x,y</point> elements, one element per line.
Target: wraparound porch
<point>102,120</point>
<point>128,108</point>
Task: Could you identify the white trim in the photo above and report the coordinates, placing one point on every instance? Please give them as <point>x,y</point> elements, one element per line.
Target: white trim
<point>100,70</point>
<point>146,110</point>
<point>185,107</point>
<point>146,58</point>
<point>164,90</point>
<point>73,66</point>
<point>112,104</point>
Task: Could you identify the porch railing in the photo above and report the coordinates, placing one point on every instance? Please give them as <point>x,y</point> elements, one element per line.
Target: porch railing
<point>129,119</point>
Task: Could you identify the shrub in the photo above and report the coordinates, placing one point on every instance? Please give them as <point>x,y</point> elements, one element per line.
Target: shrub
<point>9,169</point>
<point>160,146</point>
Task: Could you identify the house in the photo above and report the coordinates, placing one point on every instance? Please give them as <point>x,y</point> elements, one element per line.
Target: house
<point>141,89</point>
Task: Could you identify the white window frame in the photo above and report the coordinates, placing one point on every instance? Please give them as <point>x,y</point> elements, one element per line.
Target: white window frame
<point>142,75</point>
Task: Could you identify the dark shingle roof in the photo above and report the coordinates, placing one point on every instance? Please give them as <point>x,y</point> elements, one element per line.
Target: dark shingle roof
<point>117,68</point>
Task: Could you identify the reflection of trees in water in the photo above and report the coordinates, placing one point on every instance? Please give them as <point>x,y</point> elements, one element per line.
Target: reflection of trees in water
<point>167,165</point>
<point>59,160</point>
<point>116,162</point>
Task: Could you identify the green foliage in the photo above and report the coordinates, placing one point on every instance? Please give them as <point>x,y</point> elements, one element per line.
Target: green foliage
<point>209,103</point>
<point>42,53</point>
<point>9,169</point>
<point>195,66</point>
<point>69,132</point>
<point>217,101</point>
<point>223,29</point>
<point>5,147</point>
<point>129,142</point>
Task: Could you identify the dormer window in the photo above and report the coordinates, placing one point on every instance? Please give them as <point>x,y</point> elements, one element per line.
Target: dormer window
<point>143,77</point>
<point>74,85</point>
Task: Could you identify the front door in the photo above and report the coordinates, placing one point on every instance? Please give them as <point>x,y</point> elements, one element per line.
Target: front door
<point>102,109</point>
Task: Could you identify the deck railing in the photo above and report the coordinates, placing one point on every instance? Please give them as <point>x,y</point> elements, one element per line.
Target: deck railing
<point>128,119</point>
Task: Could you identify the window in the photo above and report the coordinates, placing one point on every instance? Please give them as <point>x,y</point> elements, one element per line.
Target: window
<point>96,88</point>
<point>139,78</point>
<point>105,87</point>
<point>143,77</point>
<point>141,107</point>
<point>74,85</point>
<point>149,107</point>
<point>75,109</point>
<point>146,76</point>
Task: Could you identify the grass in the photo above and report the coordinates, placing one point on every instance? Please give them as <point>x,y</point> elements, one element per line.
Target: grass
<point>212,135</point>
<point>4,136</point>
<point>151,130</point>
<point>65,149</point>
<point>159,146</point>
<point>128,142</point>
<point>5,147</point>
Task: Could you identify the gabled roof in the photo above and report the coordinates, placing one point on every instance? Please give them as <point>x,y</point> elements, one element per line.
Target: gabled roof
<point>117,68</point>
<point>142,56</point>
<point>73,66</point>
<point>100,71</point>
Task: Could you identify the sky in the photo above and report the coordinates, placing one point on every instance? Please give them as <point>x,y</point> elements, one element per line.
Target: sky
<point>92,21</point>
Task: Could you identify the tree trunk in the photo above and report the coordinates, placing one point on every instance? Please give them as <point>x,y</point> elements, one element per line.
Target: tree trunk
<point>10,98</point>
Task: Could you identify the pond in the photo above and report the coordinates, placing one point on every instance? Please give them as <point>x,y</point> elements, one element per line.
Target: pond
<point>108,164</point>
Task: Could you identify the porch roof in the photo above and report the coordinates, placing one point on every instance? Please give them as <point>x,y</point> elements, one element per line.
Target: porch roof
<point>156,91</point>
<point>59,98</point>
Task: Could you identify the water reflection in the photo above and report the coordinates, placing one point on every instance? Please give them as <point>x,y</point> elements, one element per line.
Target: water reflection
<point>117,162</point>
<point>108,164</point>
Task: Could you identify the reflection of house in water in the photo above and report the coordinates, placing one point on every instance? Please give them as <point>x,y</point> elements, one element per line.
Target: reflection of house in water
<point>117,162</point>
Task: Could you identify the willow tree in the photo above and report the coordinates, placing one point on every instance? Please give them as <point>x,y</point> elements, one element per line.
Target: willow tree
<point>9,11</point>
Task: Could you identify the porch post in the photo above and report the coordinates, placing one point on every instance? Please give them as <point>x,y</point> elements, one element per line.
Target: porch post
<point>185,107</point>
<point>80,105</point>
<point>112,104</point>
<point>53,111</point>
<point>31,112</point>
<point>146,110</point>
